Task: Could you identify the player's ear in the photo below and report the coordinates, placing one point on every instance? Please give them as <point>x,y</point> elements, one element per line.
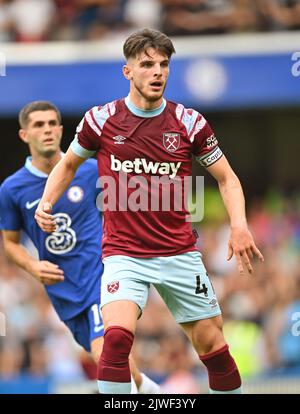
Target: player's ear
<point>23,135</point>
<point>127,72</point>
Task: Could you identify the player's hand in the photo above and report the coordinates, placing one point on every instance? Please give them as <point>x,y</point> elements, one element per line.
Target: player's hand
<point>241,244</point>
<point>46,272</point>
<point>44,218</point>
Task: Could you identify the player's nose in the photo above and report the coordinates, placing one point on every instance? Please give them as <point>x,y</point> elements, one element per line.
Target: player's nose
<point>157,70</point>
<point>47,128</point>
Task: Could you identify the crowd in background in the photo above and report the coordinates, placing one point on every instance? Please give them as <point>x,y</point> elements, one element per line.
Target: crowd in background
<point>42,20</point>
<point>260,311</point>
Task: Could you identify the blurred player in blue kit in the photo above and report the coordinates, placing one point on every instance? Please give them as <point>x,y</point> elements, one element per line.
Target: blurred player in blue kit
<point>69,264</point>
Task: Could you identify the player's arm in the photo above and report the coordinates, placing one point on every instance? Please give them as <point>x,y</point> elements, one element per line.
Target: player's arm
<point>57,183</point>
<point>241,243</point>
<point>45,272</point>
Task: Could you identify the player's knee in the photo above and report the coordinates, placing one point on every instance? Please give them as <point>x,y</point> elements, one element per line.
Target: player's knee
<point>117,344</point>
<point>206,341</point>
<point>222,370</point>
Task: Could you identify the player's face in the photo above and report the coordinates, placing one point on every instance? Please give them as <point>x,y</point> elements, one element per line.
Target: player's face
<point>148,73</point>
<point>43,133</point>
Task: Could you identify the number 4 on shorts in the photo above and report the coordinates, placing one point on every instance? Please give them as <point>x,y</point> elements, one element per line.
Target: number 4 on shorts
<point>199,288</point>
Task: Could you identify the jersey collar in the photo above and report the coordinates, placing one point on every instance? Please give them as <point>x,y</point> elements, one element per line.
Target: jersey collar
<point>150,113</point>
<point>35,171</point>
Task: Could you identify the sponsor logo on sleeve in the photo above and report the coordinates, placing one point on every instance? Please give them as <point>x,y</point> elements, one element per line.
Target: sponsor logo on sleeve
<point>211,141</point>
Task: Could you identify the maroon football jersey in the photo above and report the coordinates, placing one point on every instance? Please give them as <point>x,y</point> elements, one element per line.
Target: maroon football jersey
<point>143,159</point>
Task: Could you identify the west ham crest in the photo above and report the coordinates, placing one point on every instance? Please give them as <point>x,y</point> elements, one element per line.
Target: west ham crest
<point>171,141</point>
<point>113,287</point>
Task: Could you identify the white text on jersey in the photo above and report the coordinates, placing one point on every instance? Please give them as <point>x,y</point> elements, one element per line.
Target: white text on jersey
<point>140,165</point>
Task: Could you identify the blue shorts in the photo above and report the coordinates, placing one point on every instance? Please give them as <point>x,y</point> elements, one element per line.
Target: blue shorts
<point>87,326</point>
<point>181,281</point>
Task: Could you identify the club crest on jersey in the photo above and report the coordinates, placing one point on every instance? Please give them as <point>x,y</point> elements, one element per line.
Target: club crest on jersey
<point>171,141</point>
<point>113,287</point>
<point>75,194</point>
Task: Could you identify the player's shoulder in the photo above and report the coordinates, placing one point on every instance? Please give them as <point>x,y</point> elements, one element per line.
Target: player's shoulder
<point>15,180</point>
<point>180,110</point>
<point>106,110</point>
<point>189,117</point>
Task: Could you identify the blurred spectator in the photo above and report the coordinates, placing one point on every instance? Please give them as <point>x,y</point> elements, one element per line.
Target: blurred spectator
<point>32,19</point>
<point>280,14</point>
<point>146,13</point>
<point>194,17</point>
<point>5,21</point>
<point>98,17</point>
<point>36,20</point>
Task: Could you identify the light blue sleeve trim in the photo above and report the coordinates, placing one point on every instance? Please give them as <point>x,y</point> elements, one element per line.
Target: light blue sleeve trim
<point>80,151</point>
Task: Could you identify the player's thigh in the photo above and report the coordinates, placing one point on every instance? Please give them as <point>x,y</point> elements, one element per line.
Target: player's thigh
<point>186,288</point>
<point>206,335</point>
<point>124,313</point>
<point>124,290</point>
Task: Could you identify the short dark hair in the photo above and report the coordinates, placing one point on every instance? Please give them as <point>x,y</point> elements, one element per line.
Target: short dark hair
<point>36,106</point>
<point>141,40</point>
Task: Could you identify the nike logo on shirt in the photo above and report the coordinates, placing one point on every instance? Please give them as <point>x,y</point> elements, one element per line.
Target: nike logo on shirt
<point>31,204</point>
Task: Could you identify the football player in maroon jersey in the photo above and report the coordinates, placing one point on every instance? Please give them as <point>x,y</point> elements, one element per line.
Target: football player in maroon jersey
<point>141,142</point>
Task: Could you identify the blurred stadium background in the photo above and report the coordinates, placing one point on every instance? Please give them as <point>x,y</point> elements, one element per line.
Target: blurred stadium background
<point>238,63</point>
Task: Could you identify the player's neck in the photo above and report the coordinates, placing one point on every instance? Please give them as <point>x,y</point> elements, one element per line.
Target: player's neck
<point>45,165</point>
<point>142,103</point>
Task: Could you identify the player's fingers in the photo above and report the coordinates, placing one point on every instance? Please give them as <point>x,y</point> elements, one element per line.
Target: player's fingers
<point>47,229</point>
<point>230,252</point>
<point>52,265</point>
<point>42,214</point>
<point>47,207</point>
<point>52,278</point>
<point>249,253</point>
<point>46,224</point>
<point>247,262</point>
<point>239,263</point>
<point>49,282</point>
<point>55,272</point>
<point>257,253</point>
<point>46,218</point>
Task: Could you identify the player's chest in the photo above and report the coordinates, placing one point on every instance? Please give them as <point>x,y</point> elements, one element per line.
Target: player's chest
<point>71,202</point>
<point>143,138</point>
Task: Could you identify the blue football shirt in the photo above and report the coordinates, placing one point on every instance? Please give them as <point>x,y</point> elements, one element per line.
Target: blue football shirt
<point>75,247</point>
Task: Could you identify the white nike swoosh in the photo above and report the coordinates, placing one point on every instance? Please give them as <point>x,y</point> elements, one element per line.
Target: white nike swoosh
<point>31,204</point>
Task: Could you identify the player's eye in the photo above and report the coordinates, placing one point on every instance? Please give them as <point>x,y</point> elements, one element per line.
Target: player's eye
<point>146,64</point>
<point>39,124</point>
<point>53,123</point>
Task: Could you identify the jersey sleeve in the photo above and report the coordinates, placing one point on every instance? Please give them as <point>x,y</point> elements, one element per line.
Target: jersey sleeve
<point>205,145</point>
<point>10,215</point>
<point>88,133</point>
